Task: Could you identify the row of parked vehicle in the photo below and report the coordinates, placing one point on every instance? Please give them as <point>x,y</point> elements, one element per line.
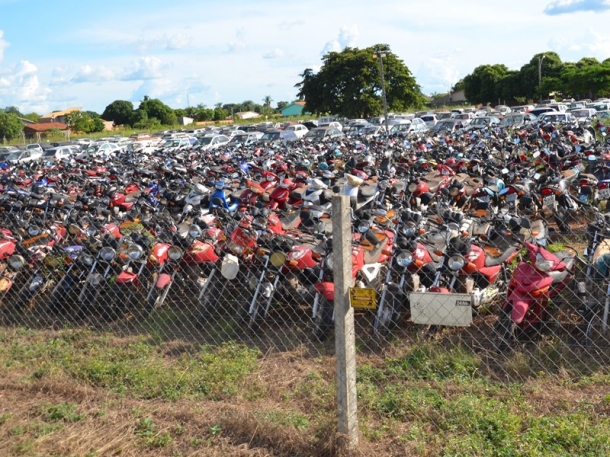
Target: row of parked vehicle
<point>244,230</point>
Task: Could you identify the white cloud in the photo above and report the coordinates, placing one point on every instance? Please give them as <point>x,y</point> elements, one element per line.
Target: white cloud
<point>438,73</point>
<point>89,74</point>
<point>589,44</point>
<point>21,87</point>
<point>177,41</point>
<point>148,67</point>
<point>3,45</point>
<point>348,36</point>
<point>239,43</point>
<point>276,53</point>
<point>573,6</point>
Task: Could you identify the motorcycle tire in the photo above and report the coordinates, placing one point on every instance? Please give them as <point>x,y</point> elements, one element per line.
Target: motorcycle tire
<point>208,303</point>
<point>257,317</point>
<point>323,321</point>
<point>504,330</point>
<point>114,302</point>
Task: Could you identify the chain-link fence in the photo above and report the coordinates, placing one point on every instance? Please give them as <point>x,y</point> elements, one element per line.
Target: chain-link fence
<point>461,329</point>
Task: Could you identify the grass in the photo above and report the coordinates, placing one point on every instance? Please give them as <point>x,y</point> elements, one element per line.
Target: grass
<point>76,392</point>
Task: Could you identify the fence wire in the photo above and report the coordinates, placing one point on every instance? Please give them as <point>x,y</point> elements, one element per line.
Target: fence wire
<point>440,336</point>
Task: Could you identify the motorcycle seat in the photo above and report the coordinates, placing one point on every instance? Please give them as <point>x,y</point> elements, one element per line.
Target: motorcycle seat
<point>589,176</point>
<point>462,177</point>
<point>434,184</point>
<point>568,174</point>
<point>494,261</point>
<point>298,194</point>
<point>372,254</point>
<point>290,220</point>
<point>132,197</point>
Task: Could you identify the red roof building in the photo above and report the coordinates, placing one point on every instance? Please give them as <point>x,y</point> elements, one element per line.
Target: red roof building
<point>31,130</point>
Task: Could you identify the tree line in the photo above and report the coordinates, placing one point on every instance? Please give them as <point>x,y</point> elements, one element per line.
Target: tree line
<point>544,74</point>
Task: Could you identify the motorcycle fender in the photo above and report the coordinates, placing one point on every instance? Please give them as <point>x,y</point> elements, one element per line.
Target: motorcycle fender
<point>520,309</point>
<point>327,289</point>
<point>163,280</point>
<point>127,278</point>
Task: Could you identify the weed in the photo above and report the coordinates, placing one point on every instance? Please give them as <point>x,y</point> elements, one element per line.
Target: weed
<point>40,430</point>
<point>66,412</point>
<point>195,442</point>
<point>4,418</point>
<point>215,429</point>
<point>18,430</point>
<point>146,429</point>
<point>284,418</point>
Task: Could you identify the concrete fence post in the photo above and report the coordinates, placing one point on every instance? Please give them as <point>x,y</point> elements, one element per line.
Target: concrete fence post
<point>345,338</point>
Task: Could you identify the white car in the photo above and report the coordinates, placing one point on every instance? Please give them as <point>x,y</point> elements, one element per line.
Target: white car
<point>99,150</point>
<point>299,130</point>
<point>57,153</point>
<point>430,120</point>
<point>207,143</point>
<point>35,150</point>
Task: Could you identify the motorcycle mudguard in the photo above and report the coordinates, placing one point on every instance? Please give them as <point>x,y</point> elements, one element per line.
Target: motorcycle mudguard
<point>127,278</point>
<point>327,289</point>
<point>520,307</point>
<point>163,280</point>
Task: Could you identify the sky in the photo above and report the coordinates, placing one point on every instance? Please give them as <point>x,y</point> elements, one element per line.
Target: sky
<point>56,55</point>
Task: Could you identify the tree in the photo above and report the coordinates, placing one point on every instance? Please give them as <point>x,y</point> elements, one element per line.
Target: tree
<point>267,101</point>
<point>120,112</point>
<point>281,105</point>
<point>34,117</point>
<point>155,108</point>
<point>349,84</point>
<point>84,121</point>
<point>483,84</point>
<point>13,110</point>
<point>10,126</point>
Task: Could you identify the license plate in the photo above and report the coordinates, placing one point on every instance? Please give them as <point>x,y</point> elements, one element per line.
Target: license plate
<point>583,198</point>
<point>511,197</point>
<point>604,194</point>
<point>549,201</point>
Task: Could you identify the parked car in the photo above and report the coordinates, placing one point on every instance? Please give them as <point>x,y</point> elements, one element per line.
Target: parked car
<point>583,114</point>
<point>557,117</point>
<point>483,122</point>
<point>517,120</point>
<point>324,133</point>
<point>102,150</point>
<point>541,110</point>
<point>299,129</point>
<point>464,118</point>
<point>447,126</point>
<point>19,157</point>
<point>57,153</point>
<point>246,138</point>
<point>35,149</point>
<point>207,143</point>
<point>430,120</point>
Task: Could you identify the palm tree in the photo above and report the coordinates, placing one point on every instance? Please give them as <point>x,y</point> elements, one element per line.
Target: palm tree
<point>267,101</point>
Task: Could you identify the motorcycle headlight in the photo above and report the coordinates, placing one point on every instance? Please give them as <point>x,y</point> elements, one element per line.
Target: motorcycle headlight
<point>412,187</point>
<point>383,185</point>
<point>455,262</point>
<point>134,251</point>
<point>91,231</point>
<point>88,259</point>
<point>363,228</point>
<point>408,231</point>
<point>194,232</point>
<point>107,253</point>
<point>174,253</point>
<point>453,191</point>
<point>404,258</point>
<point>16,262</point>
<point>329,263</point>
<point>33,230</point>
<point>266,290</point>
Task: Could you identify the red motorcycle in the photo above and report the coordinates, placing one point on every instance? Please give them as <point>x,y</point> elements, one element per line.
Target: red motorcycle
<point>531,287</point>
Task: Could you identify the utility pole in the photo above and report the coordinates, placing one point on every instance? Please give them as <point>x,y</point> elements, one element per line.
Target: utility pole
<point>540,59</point>
<point>380,54</point>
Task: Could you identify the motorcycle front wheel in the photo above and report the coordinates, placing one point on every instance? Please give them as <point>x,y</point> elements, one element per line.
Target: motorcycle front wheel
<point>323,320</point>
<point>504,330</point>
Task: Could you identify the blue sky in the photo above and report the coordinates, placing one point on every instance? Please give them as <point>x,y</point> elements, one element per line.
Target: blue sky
<point>55,55</point>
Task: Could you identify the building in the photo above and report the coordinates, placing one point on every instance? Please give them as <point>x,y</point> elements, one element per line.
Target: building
<point>183,120</point>
<point>58,116</point>
<point>453,98</point>
<point>294,109</point>
<point>39,129</point>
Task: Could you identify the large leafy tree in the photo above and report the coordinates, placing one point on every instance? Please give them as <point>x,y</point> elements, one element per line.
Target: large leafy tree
<point>120,112</point>
<point>85,121</point>
<point>157,109</point>
<point>349,84</point>
<point>10,126</point>
<point>483,84</point>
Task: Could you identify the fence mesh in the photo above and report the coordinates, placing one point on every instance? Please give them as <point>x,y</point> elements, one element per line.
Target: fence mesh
<point>454,358</point>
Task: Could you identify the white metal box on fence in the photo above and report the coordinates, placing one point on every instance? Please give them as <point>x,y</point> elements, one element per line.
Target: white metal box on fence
<point>429,308</point>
